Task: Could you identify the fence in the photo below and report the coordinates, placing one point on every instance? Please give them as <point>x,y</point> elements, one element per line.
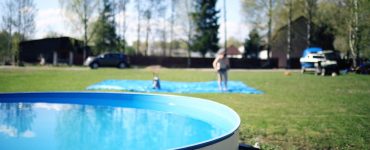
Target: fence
<point>183,62</point>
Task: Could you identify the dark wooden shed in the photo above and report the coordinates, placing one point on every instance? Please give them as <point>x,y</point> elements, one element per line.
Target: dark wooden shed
<point>64,50</point>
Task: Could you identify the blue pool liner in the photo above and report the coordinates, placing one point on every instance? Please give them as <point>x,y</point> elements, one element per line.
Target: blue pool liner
<point>173,87</point>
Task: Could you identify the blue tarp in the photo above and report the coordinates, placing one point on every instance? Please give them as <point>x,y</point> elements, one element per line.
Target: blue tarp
<point>173,87</point>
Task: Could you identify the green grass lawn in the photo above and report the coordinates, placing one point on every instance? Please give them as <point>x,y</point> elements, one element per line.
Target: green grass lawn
<point>296,112</point>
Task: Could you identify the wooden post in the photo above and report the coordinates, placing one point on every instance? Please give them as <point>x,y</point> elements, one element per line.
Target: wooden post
<point>55,58</point>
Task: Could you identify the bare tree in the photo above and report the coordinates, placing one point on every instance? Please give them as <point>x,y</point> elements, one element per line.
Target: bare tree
<point>152,9</point>
<point>25,23</point>
<point>310,10</point>
<point>173,5</point>
<point>261,11</point>
<point>80,13</point>
<point>138,9</point>
<point>162,25</point>
<point>19,22</point>
<point>8,22</point>
<point>148,16</point>
<point>187,8</point>
<point>225,28</point>
<point>122,7</point>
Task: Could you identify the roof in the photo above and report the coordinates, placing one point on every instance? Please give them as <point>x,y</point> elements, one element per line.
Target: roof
<point>232,50</point>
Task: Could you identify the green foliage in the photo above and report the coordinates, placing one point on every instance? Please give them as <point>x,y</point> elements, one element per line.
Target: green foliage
<point>364,28</point>
<point>252,45</point>
<point>105,37</point>
<point>257,11</point>
<point>331,20</point>
<point>206,21</point>
<point>129,50</point>
<point>4,47</point>
<point>233,41</point>
<point>9,53</point>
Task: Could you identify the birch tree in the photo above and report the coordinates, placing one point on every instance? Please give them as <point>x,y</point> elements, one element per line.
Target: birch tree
<point>80,13</point>
<point>260,13</point>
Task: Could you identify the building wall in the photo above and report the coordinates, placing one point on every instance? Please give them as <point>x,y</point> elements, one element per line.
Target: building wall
<point>30,51</point>
<point>279,44</point>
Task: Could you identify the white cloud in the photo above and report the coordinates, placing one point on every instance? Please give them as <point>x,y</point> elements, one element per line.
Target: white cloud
<point>52,20</point>
<point>55,107</point>
<point>9,131</point>
<point>48,20</point>
<point>12,132</point>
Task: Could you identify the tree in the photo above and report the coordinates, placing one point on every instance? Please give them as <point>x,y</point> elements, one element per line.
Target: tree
<point>25,24</point>
<point>138,9</point>
<point>364,29</point>
<point>148,16</point>
<point>289,35</point>
<point>152,9</point>
<point>311,6</point>
<point>80,13</point>
<point>4,46</point>
<point>161,26</point>
<point>19,21</point>
<point>233,41</point>
<point>261,12</point>
<point>122,6</point>
<point>173,4</point>
<point>353,29</point>
<point>105,37</point>
<point>252,44</point>
<point>185,20</point>
<point>349,25</point>
<point>52,34</point>
<point>8,19</point>
<point>205,19</point>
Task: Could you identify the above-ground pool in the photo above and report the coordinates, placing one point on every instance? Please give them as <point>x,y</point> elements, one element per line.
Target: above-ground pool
<point>74,120</point>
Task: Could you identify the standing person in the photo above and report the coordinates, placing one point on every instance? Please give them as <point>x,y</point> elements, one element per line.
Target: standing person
<point>221,64</point>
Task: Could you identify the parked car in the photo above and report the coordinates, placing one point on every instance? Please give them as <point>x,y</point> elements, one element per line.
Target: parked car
<point>107,60</point>
<point>330,63</point>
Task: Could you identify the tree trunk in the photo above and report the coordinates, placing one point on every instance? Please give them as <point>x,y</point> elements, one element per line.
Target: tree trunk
<point>85,30</point>
<point>289,37</point>
<point>353,33</point>
<point>138,27</point>
<point>269,30</point>
<point>147,35</point>
<point>124,24</point>
<point>189,33</point>
<point>172,23</point>
<point>225,28</point>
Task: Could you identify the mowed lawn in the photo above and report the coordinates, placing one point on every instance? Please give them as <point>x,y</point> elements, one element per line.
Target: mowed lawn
<point>296,112</point>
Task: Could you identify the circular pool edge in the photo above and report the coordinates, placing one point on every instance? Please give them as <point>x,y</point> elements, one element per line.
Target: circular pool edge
<point>228,140</point>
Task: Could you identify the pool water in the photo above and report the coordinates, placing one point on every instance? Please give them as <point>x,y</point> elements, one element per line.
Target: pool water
<point>49,126</point>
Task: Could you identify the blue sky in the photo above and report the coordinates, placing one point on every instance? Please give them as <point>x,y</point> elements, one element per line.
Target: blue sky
<point>51,19</point>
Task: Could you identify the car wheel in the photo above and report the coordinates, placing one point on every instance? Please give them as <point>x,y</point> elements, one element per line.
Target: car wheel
<point>122,65</point>
<point>94,65</point>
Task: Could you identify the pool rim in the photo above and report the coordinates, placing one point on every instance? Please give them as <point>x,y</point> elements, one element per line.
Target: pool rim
<point>198,145</point>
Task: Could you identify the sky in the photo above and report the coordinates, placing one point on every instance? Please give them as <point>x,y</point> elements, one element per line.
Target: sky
<point>50,18</point>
